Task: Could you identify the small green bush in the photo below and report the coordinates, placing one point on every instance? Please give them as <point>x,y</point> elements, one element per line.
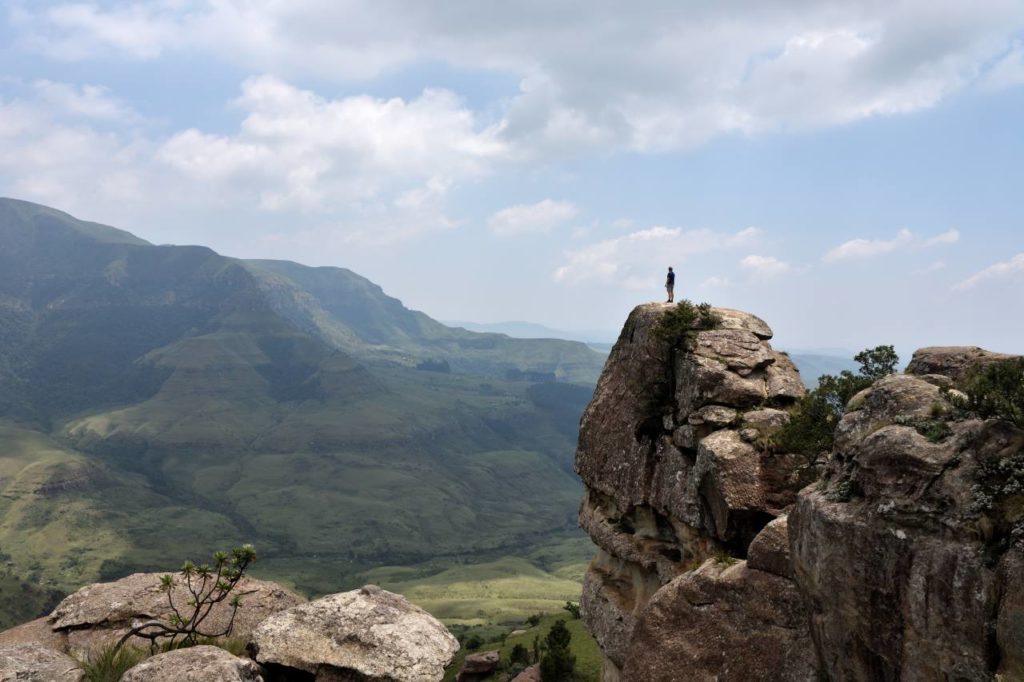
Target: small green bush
<point>206,586</point>
<point>110,663</point>
<point>519,655</point>
<point>558,664</point>
<point>573,608</point>
<point>474,642</point>
<point>811,429</point>
<point>996,391</point>
<point>680,321</point>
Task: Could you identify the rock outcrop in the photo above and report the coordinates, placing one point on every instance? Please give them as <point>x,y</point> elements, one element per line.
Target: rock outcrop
<point>365,634</point>
<point>195,664</point>
<point>100,614</point>
<point>673,453</point>
<point>478,667</point>
<point>908,552</point>
<point>898,557</point>
<point>37,663</point>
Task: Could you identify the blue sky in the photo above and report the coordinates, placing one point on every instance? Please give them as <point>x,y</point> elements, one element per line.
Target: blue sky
<point>850,171</point>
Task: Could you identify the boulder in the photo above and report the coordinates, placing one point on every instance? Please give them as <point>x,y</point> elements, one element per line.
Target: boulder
<point>367,632</point>
<point>36,663</point>
<point>951,361</point>
<point>722,623</point>
<point>531,674</point>
<point>194,664</point>
<point>38,631</point>
<point>478,667</point>
<point>769,551</point>
<point>100,614</point>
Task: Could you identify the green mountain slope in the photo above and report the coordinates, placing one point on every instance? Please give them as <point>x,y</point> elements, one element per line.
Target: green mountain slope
<point>197,401</point>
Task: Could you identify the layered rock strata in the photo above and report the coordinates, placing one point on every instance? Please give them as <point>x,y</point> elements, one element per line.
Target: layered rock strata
<point>680,484</point>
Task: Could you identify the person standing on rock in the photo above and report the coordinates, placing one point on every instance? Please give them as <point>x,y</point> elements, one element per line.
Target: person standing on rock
<point>670,285</point>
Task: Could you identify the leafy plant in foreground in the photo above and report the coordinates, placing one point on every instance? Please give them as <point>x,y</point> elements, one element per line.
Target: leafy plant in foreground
<point>205,587</point>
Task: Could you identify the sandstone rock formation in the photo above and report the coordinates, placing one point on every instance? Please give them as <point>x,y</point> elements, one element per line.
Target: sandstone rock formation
<point>365,634</point>
<point>100,614</point>
<point>903,561</point>
<point>37,663</point>
<point>673,453</point>
<point>478,667</point>
<point>951,361</point>
<point>195,664</point>
<point>909,551</point>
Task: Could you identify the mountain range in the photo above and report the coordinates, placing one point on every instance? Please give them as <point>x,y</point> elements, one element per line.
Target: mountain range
<point>161,402</point>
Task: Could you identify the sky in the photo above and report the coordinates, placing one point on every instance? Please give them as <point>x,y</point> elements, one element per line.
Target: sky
<point>851,171</point>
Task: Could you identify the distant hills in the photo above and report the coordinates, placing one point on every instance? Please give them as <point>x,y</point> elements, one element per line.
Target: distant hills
<point>162,401</point>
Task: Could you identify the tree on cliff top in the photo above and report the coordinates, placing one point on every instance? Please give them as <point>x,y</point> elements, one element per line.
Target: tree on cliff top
<point>811,429</point>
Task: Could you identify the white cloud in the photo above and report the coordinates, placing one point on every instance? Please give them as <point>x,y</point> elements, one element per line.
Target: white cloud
<point>998,271</point>
<point>638,260</point>
<point>539,217</point>
<point>374,169</point>
<point>295,149</point>
<point>714,282</point>
<point>668,74</point>
<point>932,267</point>
<point>865,248</point>
<point>89,101</point>
<point>904,239</point>
<point>764,267</point>
<point>1007,72</point>
<point>947,237</point>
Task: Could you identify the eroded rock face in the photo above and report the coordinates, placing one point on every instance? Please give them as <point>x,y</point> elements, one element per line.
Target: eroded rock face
<point>100,614</point>
<point>37,663</point>
<point>951,361</point>
<point>722,622</point>
<point>366,634</point>
<point>673,452</point>
<point>195,664</point>
<point>905,552</point>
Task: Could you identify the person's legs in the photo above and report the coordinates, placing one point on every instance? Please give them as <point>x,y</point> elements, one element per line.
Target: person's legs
<point>671,294</point>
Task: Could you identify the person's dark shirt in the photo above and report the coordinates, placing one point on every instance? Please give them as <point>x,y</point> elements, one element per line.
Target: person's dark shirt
<point>671,279</point>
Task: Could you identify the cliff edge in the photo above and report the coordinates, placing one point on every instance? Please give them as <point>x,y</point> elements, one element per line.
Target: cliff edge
<point>720,558</point>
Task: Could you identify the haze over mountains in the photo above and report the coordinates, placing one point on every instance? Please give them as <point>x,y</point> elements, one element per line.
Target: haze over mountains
<point>162,401</point>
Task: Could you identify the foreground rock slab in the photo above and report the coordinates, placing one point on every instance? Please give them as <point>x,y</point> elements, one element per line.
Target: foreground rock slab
<point>100,614</point>
<point>36,663</point>
<point>366,634</point>
<point>195,664</point>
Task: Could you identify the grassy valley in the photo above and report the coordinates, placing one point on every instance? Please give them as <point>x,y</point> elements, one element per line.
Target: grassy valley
<point>159,402</point>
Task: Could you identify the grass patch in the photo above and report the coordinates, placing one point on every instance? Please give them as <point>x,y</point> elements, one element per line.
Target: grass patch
<point>582,646</point>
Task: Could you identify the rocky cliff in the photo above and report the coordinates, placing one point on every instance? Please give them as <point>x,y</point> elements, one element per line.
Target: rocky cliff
<point>721,559</point>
